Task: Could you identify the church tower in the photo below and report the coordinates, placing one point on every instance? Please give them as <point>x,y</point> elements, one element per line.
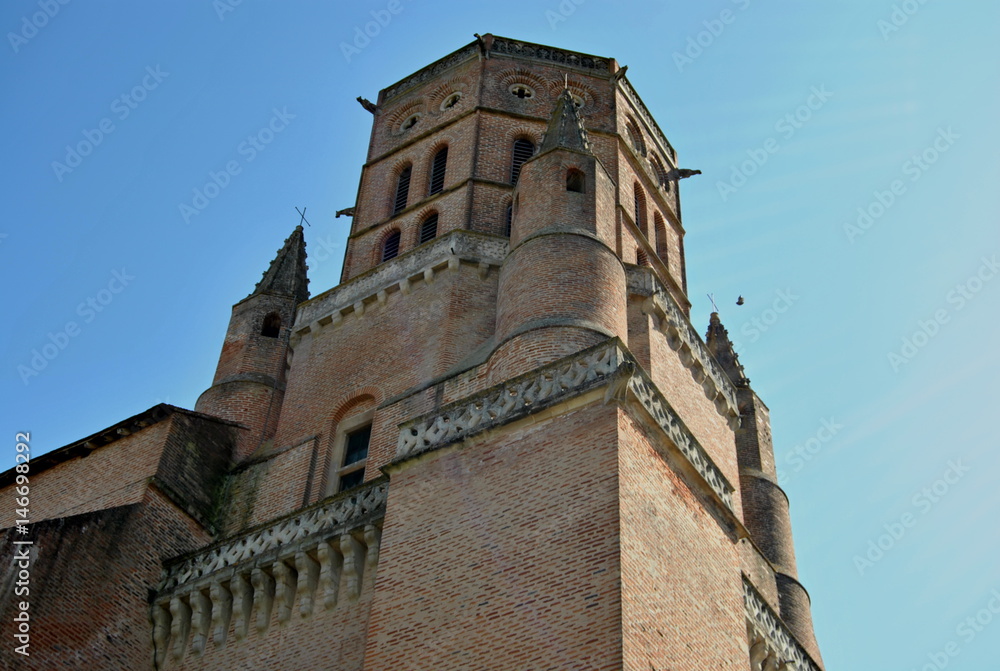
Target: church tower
<point>498,443</point>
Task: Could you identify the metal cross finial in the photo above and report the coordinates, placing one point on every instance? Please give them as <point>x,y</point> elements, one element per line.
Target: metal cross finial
<point>302,212</point>
<point>712,298</point>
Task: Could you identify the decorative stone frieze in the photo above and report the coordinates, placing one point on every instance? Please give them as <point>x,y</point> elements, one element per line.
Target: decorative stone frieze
<point>683,339</point>
<point>448,251</point>
<point>258,578</point>
<point>502,45</point>
<point>430,72</point>
<point>772,646</point>
<point>606,364</point>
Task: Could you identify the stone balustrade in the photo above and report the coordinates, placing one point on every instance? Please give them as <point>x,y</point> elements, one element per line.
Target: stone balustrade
<point>314,559</point>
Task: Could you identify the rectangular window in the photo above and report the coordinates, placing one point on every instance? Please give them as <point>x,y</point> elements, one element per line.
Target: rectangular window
<point>352,469</point>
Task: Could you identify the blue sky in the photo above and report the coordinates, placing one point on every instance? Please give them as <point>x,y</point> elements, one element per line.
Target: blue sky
<point>797,113</point>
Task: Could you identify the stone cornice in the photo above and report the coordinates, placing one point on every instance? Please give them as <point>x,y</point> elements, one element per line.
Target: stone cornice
<point>683,338</point>
<point>608,364</point>
<point>283,537</point>
<point>773,635</point>
<point>450,249</point>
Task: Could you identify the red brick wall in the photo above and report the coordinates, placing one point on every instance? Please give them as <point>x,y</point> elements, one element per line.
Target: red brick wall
<point>682,595</point>
<point>502,554</point>
<point>90,583</point>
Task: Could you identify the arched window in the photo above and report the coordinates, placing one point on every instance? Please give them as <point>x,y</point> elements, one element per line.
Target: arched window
<point>509,219</point>
<point>402,190</point>
<point>271,326</point>
<point>635,137</point>
<point>523,149</point>
<point>661,173</point>
<point>575,181</point>
<point>640,258</point>
<point>660,230</point>
<point>390,248</point>
<point>429,229</point>
<point>640,207</point>
<point>438,166</point>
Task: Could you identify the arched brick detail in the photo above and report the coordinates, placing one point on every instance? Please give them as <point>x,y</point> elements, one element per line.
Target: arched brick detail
<point>362,400</point>
<point>376,252</point>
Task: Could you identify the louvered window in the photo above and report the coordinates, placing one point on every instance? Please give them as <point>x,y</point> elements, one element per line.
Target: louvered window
<point>429,229</point>
<point>523,149</point>
<point>402,190</point>
<point>640,208</point>
<point>437,171</point>
<point>390,248</point>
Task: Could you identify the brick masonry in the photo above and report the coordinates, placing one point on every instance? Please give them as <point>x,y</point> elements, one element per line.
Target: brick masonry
<point>569,533</point>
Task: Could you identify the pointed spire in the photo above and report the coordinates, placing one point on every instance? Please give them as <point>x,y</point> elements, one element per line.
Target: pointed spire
<point>721,348</point>
<point>287,274</point>
<point>566,126</point>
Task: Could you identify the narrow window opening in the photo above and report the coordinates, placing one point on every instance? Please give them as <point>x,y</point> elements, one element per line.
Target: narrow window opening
<point>509,219</point>
<point>660,231</point>
<point>271,326</point>
<point>429,229</point>
<point>575,181</point>
<point>640,208</point>
<point>523,150</point>
<point>352,472</point>
<point>635,138</point>
<point>402,190</point>
<point>438,167</point>
<point>390,248</point>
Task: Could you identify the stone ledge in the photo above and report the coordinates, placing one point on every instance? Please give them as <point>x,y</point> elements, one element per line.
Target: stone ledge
<point>771,641</point>
<point>330,517</point>
<point>608,364</point>
<point>449,250</point>
<point>682,338</point>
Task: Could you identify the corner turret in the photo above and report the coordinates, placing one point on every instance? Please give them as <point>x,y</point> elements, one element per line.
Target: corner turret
<point>249,381</point>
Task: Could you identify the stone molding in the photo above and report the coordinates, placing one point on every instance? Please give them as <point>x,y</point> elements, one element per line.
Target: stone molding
<point>773,647</point>
<point>682,338</point>
<point>430,72</point>
<point>606,364</point>
<point>335,516</point>
<point>508,47</point>
<point>452,249</point>
<point>315,558</point>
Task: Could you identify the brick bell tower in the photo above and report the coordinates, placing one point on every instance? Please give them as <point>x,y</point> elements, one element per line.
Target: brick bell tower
<point>499,443</point>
